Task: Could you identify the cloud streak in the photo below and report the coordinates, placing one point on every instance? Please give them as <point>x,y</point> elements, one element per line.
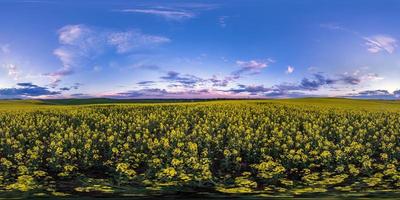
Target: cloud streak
<point>172,11</point>
<point>252,66</point>
<point>183,80</point>
<point>381,43</point>
<point>168,14</point>
<point>146,83</point>
<point>75,86</point>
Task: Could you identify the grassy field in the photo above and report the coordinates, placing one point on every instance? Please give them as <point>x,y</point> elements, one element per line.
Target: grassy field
<point>311,147</point>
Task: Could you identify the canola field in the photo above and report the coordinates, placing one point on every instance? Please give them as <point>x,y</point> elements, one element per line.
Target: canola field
<point>258,148</point>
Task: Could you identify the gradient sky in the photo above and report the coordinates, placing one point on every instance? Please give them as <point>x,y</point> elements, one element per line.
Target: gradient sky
<point>199,49</point>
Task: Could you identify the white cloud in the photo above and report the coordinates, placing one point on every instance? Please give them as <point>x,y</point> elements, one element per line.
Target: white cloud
<point>169,14</point>
<point>378,43</point>
<point>289,70</point>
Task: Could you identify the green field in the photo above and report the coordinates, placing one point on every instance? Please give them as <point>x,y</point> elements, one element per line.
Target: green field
<point>311,147</point>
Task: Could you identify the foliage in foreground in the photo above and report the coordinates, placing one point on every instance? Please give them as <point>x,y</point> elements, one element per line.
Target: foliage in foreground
<point>253,147</point>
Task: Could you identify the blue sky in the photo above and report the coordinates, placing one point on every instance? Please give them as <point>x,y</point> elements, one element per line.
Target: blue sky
<point>199,49</point>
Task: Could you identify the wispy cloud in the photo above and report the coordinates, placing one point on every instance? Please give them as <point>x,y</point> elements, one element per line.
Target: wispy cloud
<point>76,34</point>
<point>379,43</point>
<point>338,27</point>
<point>374,92</point>
<point>66,56</point>
<point>375,44</point>
<point>146,83</point>
<point>222,21</point>
<point>222,82</point>
<point>252,66</point>
<point>269,92</point>
<point>75,86</point>
<point>91,40</point>
<point>129,40</point>
<point>331,26</point>
<point>166,13</point>
<point>81,95</point>
<point>56,76</point>
<point>78,42</point>
<point>372,77</point>
<point>151,67</point>
<point>251,89</point>
<point>172,11</point>
<point>349,79</point>
<point>182,80</point>
<point>81,46</point>
<point>153,92</point>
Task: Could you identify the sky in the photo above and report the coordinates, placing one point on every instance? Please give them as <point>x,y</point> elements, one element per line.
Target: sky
<point>199,49</point>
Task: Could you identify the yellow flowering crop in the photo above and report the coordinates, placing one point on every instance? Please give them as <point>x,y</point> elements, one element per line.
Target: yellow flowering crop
<point>230,146</point>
